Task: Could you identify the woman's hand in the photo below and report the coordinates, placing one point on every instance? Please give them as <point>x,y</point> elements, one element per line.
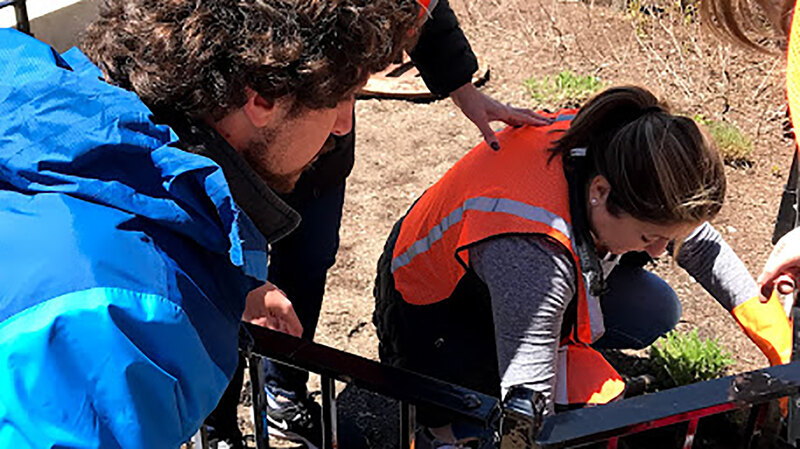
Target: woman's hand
<point>482,109</point>
<point>783,261</point>
<point>268,306</point>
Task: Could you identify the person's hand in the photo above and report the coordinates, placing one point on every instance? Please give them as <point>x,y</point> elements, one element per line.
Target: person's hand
<point>268,306</point>
<point>482,109</point>
<point>783,264</point>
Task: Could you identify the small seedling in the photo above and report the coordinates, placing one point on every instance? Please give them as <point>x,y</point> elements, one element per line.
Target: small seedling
<point>683,358</point>
<point>734,146</point>
<point>565,89</point>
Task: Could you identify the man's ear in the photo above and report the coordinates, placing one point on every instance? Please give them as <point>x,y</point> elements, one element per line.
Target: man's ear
<point>258,109</point>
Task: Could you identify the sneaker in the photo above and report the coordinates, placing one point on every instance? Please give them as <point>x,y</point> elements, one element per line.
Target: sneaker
<point>294,419</point>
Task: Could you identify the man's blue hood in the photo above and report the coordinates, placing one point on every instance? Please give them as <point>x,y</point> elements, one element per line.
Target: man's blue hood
<point>99,143</point>
<point>124,262</point>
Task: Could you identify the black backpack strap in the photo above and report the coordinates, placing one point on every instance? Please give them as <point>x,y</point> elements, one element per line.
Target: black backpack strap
<point>787,212</point>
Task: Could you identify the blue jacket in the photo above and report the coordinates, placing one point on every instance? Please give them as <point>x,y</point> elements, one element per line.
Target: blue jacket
<point>124,263</point>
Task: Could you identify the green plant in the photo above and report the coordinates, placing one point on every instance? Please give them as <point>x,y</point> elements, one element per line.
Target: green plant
<point>683,358</point>
<point>734,146</point>
<point>565,89</point>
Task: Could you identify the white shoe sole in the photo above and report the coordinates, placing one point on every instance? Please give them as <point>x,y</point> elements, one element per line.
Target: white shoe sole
<point>274,430</point>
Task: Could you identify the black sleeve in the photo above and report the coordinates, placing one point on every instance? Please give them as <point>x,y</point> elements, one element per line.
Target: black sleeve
<point>442,54</point>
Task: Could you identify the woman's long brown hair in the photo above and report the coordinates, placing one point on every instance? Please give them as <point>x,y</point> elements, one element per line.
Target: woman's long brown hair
<point>741,21</point>
<point>661,167</point>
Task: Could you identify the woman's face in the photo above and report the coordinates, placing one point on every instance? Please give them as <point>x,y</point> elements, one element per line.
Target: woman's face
<point>624,233</point>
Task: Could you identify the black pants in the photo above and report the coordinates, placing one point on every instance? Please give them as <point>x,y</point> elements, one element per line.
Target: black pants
<point>224,419</point>
<point>298,265</point>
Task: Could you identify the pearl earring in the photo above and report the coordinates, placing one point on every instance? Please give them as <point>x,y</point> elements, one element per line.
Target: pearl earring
<point>594,201</point>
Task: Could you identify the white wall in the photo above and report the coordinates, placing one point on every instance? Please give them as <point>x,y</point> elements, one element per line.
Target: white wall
<point>57,22</point>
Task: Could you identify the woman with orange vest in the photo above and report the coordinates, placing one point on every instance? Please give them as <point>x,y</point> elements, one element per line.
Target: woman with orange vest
<point>510,269</point>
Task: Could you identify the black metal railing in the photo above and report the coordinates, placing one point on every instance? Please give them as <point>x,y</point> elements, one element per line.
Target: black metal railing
<point>688,404</point>
<point>21,12</point>
<point>409,388</point>
<point>518,418</point>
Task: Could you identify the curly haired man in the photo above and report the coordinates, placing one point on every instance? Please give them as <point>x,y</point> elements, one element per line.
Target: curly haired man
<point>137,200</point>
<point>300,262</point>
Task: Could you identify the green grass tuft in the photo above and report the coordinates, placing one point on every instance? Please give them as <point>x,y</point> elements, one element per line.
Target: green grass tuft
<point>683,358</point>
<point>565,89</point>
<point>734,146</point>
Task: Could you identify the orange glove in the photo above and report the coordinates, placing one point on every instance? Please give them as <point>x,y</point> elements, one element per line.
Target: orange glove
<point>767,325</point>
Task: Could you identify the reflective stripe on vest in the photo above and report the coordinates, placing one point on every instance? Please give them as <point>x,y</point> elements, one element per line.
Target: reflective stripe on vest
<point>517,190</point>
<point>483,204</point>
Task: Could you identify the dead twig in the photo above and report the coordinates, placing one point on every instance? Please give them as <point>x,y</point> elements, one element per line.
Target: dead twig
<point>674,41</point>
<point>559,34</point>
<point>666,64</point>
<point>763,83</point>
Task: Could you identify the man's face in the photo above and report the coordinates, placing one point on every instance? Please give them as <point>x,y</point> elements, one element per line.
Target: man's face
<point>279,154</point>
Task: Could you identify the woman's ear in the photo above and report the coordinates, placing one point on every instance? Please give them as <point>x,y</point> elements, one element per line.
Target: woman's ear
<point>599,188</point>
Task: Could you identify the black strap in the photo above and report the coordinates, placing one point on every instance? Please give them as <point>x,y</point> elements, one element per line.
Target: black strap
<point>577,175</point>
<point>787,212</point>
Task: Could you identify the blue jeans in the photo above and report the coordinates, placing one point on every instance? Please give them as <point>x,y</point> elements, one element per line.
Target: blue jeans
<point>298,265</point>
<point>638,308</point>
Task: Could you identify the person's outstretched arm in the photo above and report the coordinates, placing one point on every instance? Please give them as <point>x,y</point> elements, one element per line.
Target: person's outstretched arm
<point>446,63</point>
<point>783,260</point>
<point>531,280</point>
<point>707,257</point>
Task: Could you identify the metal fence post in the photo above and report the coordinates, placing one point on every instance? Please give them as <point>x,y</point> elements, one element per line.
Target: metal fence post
<point>329,437</point>
<point>259,398</point>
<point>407,425</point>
<point>21,13</point>
<point>200,439</point>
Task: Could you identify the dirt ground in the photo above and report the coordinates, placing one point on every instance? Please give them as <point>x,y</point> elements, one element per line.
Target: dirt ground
<point>403,147</point>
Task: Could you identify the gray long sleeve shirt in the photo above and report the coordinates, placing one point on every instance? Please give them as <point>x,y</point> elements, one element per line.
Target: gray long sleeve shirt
<point>531,281</point>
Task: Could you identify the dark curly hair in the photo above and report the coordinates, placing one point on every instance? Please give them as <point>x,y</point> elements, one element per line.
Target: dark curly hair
<point>197,57</point>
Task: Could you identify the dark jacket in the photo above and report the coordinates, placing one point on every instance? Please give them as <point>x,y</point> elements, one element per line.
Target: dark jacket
<point>444,60</point>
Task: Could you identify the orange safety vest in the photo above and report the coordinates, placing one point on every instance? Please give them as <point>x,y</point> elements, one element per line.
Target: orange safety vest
<point>517,190</point>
